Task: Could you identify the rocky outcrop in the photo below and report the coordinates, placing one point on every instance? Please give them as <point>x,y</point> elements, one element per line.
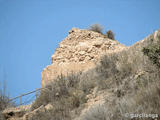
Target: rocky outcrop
<point>16,113</point>
<point>24,112</point>
<point>79,51</point>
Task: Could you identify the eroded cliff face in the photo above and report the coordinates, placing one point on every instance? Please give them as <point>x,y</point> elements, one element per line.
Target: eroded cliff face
<point>79,51</point>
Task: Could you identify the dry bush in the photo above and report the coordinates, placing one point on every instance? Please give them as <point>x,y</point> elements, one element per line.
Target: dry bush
<point>88,81</point>
<point>96,28</point>
<point>3,97</point>
<point>146,100</point>
<point>96,112</point>
<point>58,113</point>
<point>124,65</point>
<point>110,34</point>
<point>107,66</point>
<point>4,103</point>
<point>107,71</point>
<point>64,94</point>
<point>4,100</point>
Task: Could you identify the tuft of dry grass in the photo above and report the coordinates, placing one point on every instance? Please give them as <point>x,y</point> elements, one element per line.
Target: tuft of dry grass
<point>96,112</point>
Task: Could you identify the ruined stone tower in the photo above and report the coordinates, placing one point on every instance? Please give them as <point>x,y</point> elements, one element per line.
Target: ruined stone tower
<point>79,51</point>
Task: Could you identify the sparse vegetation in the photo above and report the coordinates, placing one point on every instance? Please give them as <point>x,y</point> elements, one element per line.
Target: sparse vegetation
<point>97,112</point>
<point>128,77</point>
<point>107,71</point>
<point>133,90</point>
<point>69,93</point>
<point>64,94</point>
<point>144,101</point>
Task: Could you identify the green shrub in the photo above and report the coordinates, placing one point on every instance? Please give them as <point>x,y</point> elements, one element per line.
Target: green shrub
<point>153,52</point>
<point>96,28</point>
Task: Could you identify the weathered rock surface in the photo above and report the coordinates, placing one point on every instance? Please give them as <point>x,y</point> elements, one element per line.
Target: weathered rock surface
<point>24,112</point>
<point>16,113</point>
<point>78,52</point>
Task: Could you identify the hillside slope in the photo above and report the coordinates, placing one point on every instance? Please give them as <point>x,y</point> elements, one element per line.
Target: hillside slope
<point>123,80</point>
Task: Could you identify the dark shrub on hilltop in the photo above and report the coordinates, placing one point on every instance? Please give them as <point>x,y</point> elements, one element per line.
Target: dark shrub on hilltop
<point>110,34</point>
<point>96,28</point>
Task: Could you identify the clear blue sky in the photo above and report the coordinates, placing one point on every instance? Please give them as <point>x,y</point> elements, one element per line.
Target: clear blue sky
<point>30,31</point>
